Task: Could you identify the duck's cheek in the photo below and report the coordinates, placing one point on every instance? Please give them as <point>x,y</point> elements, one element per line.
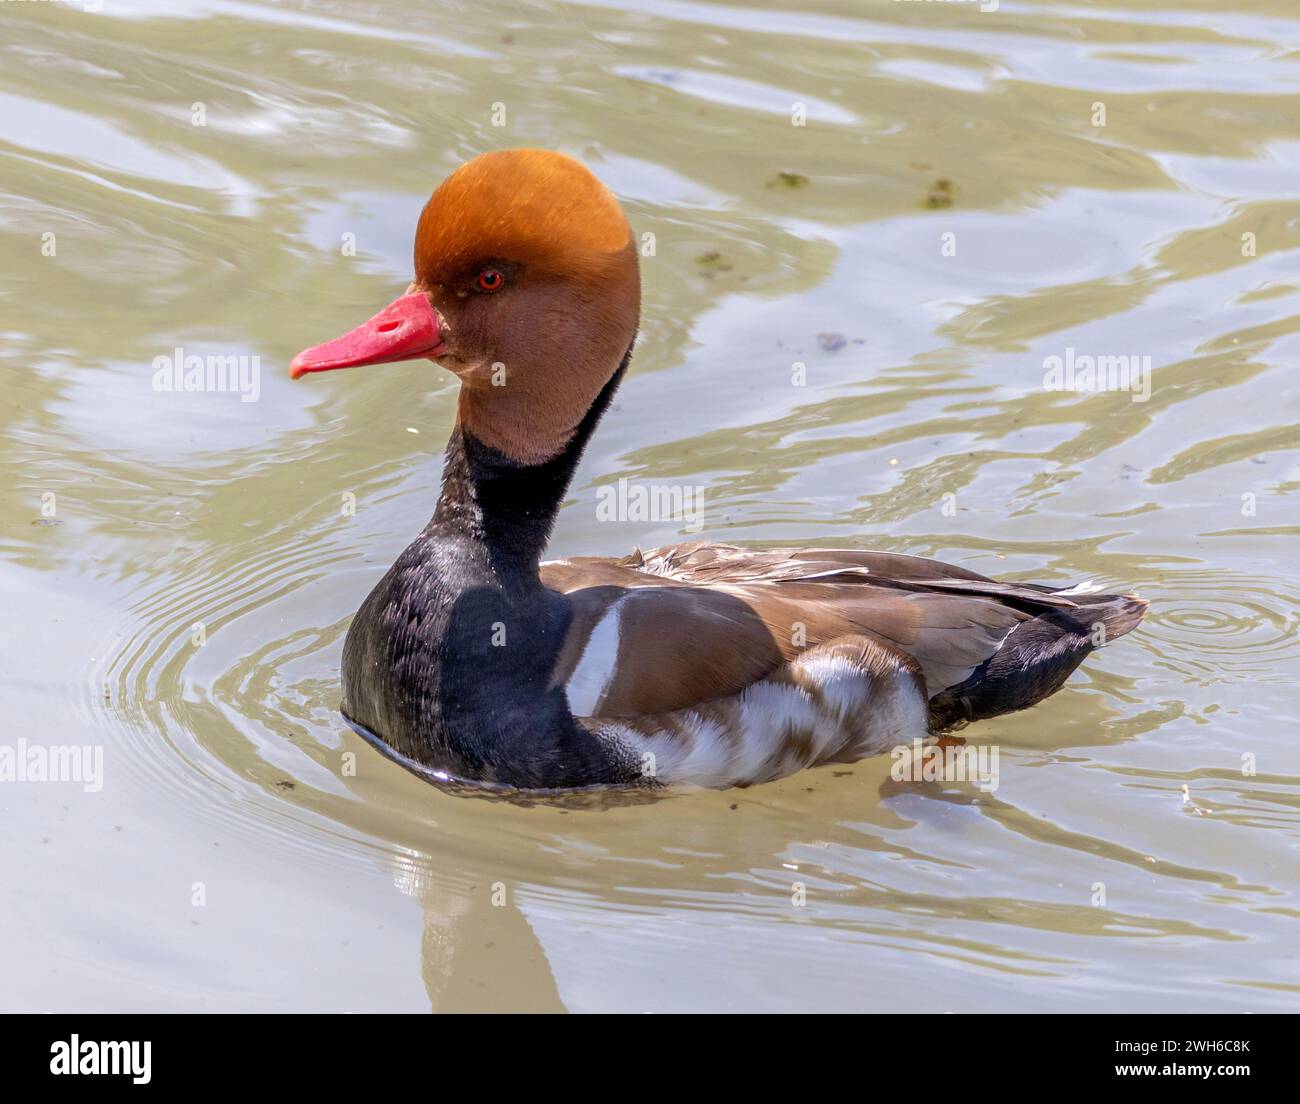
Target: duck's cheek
<point>485,373</point>
<point>468,369</point>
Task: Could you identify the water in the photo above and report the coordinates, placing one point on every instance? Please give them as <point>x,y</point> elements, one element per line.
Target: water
<point>180,600</point>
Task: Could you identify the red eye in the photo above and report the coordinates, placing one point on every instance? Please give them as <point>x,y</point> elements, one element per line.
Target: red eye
<point>490,280</point>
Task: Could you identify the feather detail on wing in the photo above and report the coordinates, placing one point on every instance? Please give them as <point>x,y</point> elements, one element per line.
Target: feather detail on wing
<point>675,626</point>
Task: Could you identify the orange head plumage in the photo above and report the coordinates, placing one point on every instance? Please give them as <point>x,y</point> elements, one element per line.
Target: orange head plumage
<point>526,286</point>
<point>534,207</point>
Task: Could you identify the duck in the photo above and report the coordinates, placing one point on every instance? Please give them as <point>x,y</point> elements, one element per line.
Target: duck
<point>475,661</point>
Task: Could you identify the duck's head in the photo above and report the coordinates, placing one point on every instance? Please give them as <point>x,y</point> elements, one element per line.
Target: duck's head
<point>526,287</point>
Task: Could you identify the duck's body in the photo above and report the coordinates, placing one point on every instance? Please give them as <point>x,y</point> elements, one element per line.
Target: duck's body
<point>701,663</point>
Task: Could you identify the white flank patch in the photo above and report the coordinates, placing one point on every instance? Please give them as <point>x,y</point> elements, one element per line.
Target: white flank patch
<point>769,711</point>
<point>590,680</point>
<point>903,717</point>
<point>843,686</point>
<point>708,761</point>
<point>781,727</point>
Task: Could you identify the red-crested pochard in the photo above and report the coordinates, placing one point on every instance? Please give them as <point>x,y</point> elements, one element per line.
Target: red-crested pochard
<point>699,663</point>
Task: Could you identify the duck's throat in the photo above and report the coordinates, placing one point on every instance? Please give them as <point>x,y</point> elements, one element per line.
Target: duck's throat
<point>505,507</point>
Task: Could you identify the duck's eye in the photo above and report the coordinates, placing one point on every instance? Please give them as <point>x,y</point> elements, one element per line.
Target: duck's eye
<point>490,280</point>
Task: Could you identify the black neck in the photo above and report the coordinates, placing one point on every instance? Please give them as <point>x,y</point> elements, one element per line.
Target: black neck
<point>506,508</point>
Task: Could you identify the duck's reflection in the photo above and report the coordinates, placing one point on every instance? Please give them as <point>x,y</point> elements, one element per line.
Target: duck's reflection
<point>478,952</point>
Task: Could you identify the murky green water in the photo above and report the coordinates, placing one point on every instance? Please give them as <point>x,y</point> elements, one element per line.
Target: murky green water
<point>230,860</point>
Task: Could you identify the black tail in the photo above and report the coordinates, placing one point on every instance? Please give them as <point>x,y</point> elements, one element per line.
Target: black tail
<point>1036,658</point>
